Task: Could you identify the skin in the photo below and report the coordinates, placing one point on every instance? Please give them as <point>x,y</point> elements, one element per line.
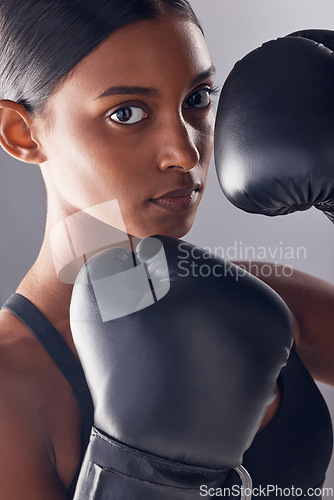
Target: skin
<point>87,159</point>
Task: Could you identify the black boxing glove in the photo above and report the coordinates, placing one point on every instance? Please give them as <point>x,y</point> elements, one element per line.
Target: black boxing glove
<point>181,361</point>
<point>274,147</point>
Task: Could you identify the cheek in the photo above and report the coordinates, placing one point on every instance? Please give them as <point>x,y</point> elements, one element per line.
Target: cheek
<point>205,139</point>
<point>91,166</point>
<point>115,153</point>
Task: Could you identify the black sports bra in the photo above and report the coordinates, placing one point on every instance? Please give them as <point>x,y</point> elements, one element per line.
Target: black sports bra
<point>292,452</point>
<point>295,448</point>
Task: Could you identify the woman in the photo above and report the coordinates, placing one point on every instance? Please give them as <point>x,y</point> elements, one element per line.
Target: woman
<point>112,100</point>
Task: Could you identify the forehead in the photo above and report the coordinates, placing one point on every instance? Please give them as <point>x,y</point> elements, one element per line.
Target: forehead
<point>144,53</point>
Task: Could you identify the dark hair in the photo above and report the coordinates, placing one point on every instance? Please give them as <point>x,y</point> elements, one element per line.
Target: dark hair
<point>42,40</point>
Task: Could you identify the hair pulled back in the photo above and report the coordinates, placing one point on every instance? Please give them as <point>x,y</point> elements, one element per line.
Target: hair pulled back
<point>42,40</point>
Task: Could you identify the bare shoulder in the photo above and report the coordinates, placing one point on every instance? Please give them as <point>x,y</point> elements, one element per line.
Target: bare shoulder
<point>39,453</point>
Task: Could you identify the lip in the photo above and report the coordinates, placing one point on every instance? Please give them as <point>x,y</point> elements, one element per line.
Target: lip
<point>178,200</point>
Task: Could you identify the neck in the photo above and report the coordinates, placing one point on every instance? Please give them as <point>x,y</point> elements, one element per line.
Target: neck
<point>50,295</point>
<point>66,246</point>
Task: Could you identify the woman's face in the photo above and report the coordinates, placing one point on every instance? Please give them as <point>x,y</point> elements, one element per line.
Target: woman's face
<point>134,122</point>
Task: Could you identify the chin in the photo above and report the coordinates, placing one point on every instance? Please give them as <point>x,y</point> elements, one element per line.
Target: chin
<point>177,233</point>
<point>173,229</point>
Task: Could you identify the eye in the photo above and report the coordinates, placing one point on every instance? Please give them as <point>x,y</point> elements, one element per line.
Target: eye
<point>199,99</point>
<point>128,115</point>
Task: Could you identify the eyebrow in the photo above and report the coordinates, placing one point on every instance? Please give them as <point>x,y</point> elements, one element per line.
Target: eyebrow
<point>151,92</point>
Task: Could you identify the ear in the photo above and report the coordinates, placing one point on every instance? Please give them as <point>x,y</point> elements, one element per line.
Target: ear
<point>16,133</point>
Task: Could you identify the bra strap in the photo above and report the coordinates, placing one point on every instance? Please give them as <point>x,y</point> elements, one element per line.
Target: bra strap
<point>61,354</point>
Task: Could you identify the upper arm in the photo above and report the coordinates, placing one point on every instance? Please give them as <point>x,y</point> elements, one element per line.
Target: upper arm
<point>311,302</point>
<point>26,468</point>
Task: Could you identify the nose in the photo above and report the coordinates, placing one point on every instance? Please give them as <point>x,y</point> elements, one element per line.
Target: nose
<point>177,145</point>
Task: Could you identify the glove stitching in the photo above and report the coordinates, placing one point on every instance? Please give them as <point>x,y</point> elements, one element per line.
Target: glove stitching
<point>137,454</point>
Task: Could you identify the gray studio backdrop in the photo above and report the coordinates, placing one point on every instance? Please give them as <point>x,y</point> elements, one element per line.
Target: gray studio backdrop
<point>303,240</point>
